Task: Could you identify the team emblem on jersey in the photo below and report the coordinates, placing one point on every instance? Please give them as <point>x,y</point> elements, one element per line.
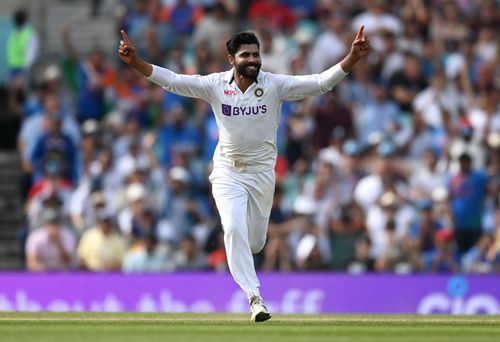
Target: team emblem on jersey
<point>258,92</point>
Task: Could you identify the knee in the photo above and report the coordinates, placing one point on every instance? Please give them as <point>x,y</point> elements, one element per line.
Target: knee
<point>231,232</point>
<point>257,245</point>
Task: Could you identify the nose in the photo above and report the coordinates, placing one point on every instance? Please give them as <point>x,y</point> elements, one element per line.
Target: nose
<point>253,60</point>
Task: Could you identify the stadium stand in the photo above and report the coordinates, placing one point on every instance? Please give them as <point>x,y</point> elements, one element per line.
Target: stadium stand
<point>397,170</point>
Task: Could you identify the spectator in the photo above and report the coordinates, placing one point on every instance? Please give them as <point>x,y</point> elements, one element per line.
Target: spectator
<point>482,115</point>
<point>276,250</point>
<point>136,207</point>
<point>438,105</point>
<point>377,19</point>
<point>394,257</point>
<point>308,253</point>
<point>276,15</point>
<point>387,223</point>
<point>92,73</point>
<point>273,51</point>
<point>364,262</point>
<point>404,85</point>
<point>462,143</point>
<point>296,182</point>
<point>52,185</point>
<point>52,246</point>
<point>381,115</point>
<point>443,260</point>
<point>102,177</point>
<point>136,158</point>
<point>477,260</point>
<point>101,248</point>
<point>330,46</point>
<point>216,252</point>
<point>346,228</point>
<point>22,46</point>
<point>427,176</point>
<point>467,194</point>
<point>147,256</point>
<point>181,207</point>
<point>188,257</point>
<point>54,146</point>
<point>390,58</point>
<point>33,128</point>
<point>449,27</point>
<point>422,236</point>
<point>177,136</point>
<point>214,29</point>
<point>331,117</point>
<point>183,17</point>
<point>89,147</point>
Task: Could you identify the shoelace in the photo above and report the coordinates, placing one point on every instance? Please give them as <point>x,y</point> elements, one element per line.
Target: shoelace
<point>258,300</point>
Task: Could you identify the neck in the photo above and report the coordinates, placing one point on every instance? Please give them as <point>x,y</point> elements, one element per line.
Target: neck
<point>242,82</point>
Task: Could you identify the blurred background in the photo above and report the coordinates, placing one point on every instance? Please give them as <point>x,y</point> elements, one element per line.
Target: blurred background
<point>397,170</point>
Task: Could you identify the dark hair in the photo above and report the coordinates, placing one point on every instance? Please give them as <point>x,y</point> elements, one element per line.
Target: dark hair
<point>239,39</point>
<point>465,157</point>
<point>20,17</point>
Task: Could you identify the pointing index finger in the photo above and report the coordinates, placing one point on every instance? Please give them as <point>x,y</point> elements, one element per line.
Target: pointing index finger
<point>360,33</point>
<point>124,36</point>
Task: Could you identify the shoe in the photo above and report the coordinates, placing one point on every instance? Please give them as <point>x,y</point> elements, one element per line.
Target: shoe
<point>259,310</point>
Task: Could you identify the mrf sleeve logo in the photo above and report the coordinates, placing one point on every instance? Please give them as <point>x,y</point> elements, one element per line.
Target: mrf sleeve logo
<point>235,110</point>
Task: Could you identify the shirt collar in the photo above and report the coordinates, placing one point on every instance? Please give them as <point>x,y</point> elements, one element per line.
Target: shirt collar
<point>229,76</point>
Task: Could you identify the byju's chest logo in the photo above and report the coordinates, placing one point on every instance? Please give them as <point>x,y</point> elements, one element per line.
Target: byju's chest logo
<point>234,110</point>
<point>226,109</point>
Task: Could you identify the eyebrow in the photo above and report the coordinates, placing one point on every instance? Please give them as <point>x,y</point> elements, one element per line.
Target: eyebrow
<point>248,52</point>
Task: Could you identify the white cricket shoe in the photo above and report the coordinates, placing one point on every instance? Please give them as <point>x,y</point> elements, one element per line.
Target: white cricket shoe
<point>259,310</point>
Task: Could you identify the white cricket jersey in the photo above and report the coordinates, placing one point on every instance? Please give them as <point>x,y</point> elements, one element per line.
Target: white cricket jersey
<point>247,121</point>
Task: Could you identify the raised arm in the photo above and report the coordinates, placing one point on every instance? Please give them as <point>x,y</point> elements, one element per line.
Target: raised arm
<point>128,55</point>
<point>359,50</point>
<point>298,87</point>
<point>185,85</point>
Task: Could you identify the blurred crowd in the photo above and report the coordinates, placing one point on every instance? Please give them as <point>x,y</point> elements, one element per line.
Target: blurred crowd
<point>395,170</point>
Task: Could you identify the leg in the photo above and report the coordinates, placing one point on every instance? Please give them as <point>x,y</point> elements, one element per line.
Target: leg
<point>260,187</point>
<point>231,199</point>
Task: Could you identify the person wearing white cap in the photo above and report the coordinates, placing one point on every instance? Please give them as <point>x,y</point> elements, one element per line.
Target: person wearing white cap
<point>247,105</point>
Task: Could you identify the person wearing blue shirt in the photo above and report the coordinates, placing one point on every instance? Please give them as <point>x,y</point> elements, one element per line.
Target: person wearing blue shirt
<point>467,191</point>
<point>55,146</point>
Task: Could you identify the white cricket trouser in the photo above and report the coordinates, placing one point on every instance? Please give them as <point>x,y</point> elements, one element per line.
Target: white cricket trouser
<point>244,202</point>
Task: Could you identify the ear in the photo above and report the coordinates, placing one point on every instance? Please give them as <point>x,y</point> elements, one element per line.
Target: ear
<point>230,58</point>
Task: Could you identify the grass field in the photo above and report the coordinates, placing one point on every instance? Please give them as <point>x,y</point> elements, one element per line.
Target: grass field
<point>123,327</point>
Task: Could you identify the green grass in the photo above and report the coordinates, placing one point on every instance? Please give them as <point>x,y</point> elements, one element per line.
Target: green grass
<point>124,327</point>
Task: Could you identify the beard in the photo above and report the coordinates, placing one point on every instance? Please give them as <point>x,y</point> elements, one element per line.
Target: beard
<point>247,72</point>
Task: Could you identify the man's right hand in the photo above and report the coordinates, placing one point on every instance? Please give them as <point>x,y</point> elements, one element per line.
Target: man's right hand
<point>126,49</point>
